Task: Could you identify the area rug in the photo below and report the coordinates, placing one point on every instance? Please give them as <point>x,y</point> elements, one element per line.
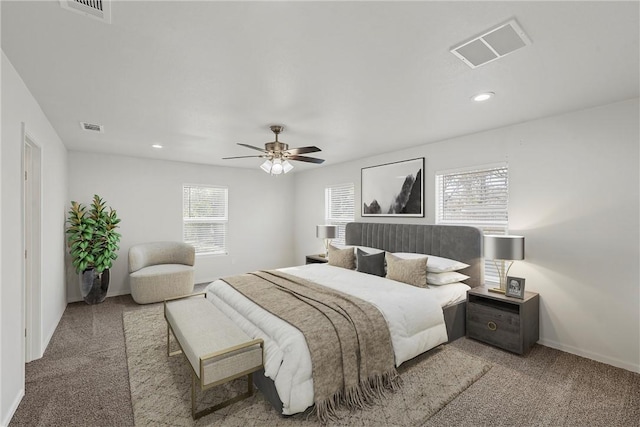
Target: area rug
<point>161,386</point>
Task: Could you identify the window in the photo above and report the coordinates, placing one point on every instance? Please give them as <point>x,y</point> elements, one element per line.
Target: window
<point>339,208</point>
<point>478,198</point>
<point>204,213</point>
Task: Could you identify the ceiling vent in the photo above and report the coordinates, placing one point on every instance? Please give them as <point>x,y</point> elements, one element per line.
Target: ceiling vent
<point>96,9</point>
<point>493,44</point>
<point>92,127</point>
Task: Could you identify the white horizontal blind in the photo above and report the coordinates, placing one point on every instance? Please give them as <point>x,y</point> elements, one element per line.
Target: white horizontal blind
<point>339,206</point>
<point>204,212</point>
<point>478,198</point>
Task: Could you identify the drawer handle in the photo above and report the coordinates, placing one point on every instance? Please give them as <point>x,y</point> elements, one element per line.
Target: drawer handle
<point>492,326</point>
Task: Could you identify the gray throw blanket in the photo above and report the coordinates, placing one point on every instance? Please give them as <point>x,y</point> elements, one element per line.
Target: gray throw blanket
<point>348,338</point>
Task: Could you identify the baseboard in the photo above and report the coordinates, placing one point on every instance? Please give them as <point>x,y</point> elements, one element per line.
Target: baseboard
<point>47,339</point>
<point>590,355</point>
<point>125,292</point>
<point>13,408</point>
<point>109,295</point>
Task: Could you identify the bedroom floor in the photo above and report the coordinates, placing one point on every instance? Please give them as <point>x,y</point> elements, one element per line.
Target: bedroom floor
<point>82,380</point>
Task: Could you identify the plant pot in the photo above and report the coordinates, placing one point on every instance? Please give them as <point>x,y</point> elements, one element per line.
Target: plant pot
<point>94,286</point>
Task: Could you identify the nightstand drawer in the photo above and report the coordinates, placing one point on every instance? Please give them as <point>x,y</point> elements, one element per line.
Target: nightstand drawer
<point>494,326</point>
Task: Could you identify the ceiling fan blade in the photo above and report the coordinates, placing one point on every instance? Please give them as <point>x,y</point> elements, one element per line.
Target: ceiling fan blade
<point>252,147</point>
<point>306,159</point>
<point>241,157</point>
<point>303,150</point>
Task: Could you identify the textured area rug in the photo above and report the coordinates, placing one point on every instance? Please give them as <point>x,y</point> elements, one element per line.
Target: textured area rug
<point>161,386</point>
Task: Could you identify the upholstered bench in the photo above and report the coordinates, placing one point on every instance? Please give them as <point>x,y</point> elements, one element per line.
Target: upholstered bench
<point>216,348</point>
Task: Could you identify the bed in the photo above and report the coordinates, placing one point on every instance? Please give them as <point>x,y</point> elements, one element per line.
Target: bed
<point>440,317</point>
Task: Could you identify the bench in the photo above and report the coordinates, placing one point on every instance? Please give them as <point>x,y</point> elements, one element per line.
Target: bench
<point>218,351</point>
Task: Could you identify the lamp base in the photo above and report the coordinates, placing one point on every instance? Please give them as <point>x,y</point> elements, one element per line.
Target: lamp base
<point>496,290</point>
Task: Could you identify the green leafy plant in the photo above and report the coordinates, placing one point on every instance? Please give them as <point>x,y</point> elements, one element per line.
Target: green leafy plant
<point>92,237</point>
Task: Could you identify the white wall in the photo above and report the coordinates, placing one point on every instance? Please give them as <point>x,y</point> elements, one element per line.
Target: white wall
<point>147,194</point>
<point>574,194</point>
<point>18,107</point>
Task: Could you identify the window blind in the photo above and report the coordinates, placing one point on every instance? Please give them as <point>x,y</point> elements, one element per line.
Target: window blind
<point>204,213</point>
<point>339,208</point>
<point>477,198</point>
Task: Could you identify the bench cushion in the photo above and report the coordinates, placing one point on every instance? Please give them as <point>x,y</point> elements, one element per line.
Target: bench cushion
<point>201,329</point>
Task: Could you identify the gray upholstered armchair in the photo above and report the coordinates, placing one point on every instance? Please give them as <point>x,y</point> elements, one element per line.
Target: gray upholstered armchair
<point>160,270</point>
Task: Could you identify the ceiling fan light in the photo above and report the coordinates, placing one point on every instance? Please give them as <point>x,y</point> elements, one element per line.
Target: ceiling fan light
<point>266,166</point>
<point>277,168</point>
<point>287,166</point>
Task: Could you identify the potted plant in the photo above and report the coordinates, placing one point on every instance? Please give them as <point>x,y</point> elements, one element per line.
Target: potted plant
<point>93,244</point>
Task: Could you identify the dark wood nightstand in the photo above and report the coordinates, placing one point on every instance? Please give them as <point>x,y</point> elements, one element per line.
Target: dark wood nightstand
<point>316,259</point>
<point>509,323</point>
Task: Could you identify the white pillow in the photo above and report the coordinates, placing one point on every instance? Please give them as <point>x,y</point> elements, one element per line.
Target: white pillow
<point>370,251</point>
<point>444,278</point>
<point>339,246</point>
<point>435,264</point>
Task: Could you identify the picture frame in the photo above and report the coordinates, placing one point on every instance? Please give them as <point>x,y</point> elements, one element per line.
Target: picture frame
<point>515,287</point>
<point>393,189</point>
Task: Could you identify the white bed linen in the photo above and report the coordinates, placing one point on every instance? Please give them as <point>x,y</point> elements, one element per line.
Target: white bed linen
<point>414,316</point>
<point>449,294</point>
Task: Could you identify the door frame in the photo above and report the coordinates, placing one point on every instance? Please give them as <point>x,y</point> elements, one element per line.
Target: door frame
<point>32,245</point>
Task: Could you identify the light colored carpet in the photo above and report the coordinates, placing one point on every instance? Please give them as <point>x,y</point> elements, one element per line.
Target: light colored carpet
<point>547,387</point>
<point>160,386</point>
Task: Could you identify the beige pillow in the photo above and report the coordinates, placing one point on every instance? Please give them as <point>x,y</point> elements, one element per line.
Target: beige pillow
<point>410,271</point>
<point>344,258</point>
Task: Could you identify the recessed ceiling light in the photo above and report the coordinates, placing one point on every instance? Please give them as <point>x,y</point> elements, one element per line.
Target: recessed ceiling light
<point>483,96</point>
<point>157,146</point>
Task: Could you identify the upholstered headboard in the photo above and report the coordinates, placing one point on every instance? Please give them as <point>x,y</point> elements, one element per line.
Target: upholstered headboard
<point>460,243</point>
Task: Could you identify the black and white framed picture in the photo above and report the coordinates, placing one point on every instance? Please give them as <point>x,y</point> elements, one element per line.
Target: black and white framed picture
<point>394,189</point>
<point>515,287</point>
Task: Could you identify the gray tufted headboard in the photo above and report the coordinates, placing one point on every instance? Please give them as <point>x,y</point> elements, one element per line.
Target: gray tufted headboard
<point>457,242</point>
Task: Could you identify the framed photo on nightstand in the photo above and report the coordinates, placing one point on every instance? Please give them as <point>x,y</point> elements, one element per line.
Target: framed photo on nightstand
<point>515,287</point>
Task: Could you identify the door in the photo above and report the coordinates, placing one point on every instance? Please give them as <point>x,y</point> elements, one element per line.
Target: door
<point>32,248</point>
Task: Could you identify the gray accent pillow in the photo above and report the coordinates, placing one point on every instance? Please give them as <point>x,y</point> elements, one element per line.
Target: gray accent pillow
<point>371,263</point>
<point>344,258</point>
<point>410,271</point>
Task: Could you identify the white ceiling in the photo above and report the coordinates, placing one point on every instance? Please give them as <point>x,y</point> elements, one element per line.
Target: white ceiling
<point>354,78</point>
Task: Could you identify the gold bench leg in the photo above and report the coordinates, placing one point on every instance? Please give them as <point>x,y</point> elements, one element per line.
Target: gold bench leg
<point>169,352</point>
<point>199,414</point>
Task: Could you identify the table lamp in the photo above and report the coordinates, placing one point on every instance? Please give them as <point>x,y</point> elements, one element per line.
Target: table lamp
<point>503,248</point>
<point>326,232</point>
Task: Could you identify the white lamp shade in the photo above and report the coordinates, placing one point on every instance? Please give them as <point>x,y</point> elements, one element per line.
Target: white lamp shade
<point>287,166</point>
<point>266,166</point>
<point>503,247</point>
<point>326,231</point>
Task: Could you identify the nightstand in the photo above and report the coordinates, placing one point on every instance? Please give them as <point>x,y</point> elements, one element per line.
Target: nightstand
<point>509,323</point>
<point>316,259</point>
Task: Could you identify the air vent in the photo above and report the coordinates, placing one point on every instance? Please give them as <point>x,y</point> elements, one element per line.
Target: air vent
<point>92,127</point>
<point>97,9</point>
<point>493,44</point>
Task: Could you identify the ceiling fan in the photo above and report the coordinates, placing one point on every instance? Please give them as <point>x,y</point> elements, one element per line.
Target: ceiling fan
<point>278,154</point>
